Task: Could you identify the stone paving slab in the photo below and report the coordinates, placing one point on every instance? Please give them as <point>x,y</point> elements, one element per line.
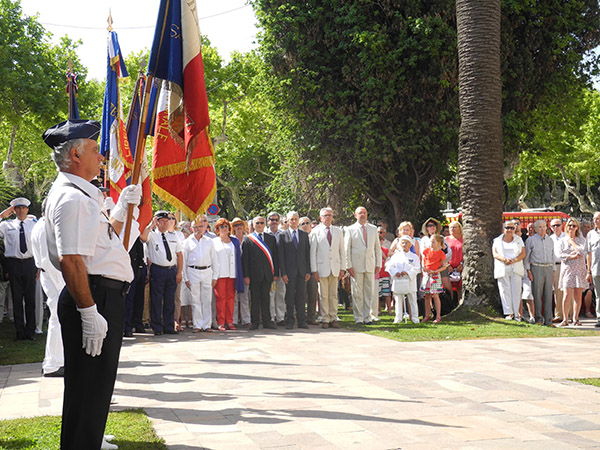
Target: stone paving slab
<point>335,389</point>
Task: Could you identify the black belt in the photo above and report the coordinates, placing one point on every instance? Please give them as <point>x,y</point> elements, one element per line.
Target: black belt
<point>20,259</point>
<point>200,267</point>
<point>109,283</point>
<point>165,267</point>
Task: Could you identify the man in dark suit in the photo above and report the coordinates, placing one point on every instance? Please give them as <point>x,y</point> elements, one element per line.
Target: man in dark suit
<point>260,266</point>
<point>294,265</point>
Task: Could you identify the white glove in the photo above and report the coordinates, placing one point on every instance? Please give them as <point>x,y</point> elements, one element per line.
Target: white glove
<point>131,195</point>
<point>94,328</point>
<point>109,204</point>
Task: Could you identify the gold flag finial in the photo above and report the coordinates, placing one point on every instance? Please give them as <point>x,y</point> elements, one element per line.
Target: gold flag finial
<point>110,21</point>
<point>70,65</point>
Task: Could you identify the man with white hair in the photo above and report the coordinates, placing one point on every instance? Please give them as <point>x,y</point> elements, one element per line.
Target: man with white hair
<point>278,289</point>
<point>327,262</point>
<point>539,263</point>
<point>22,272</point>
<point>84,244</point>
<point>556,236</point>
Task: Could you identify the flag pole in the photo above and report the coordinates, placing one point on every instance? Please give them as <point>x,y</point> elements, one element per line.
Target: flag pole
<point>139,154</point>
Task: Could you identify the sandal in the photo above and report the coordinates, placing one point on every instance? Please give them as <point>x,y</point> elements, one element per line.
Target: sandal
<point>437,320</point>
<point>564,323</point>
<point>425,319</point>
<point>589,315</point>
<point>577,323</point>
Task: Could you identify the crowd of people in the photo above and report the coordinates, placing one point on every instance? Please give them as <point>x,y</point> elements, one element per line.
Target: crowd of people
<point>272,271</point>
<point>556,274</point>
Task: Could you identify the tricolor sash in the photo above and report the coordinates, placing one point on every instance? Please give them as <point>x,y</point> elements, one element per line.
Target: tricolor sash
<point>254,238</point>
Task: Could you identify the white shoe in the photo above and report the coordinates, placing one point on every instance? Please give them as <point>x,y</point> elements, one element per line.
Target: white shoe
<point>375,319</point>
<point>109,437</point>
<point>108,446</point>
<point>509,317</point>
<point>532,320</point>
<point>416,321</point>
<point>518,318</point>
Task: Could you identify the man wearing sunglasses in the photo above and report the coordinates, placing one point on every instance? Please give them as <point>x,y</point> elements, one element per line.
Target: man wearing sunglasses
<point>539,264</point>
<point>557,235</point>
<point>278,294</point>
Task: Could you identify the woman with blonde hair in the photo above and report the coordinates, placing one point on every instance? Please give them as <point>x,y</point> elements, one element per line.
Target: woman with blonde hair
<point>572,280</point>
<point>509,252</point>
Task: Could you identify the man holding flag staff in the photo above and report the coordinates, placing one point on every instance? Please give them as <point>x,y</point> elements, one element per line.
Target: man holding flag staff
<point>84,244</point>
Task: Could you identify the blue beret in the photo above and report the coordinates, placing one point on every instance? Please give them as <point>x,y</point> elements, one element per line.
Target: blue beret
<point>71,129</point>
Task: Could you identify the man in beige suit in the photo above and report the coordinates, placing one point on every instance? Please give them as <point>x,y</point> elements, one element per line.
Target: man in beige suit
<point>327,263</point>
<point>363,260</point>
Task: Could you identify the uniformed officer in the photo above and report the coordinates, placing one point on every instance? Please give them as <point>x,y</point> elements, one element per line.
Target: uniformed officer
<point>84,244</point>
<point>166,264</point>
<point>21,266</point>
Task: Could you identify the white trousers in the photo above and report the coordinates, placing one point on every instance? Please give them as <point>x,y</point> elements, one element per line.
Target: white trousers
<point>329,301</point>
<point>278,300</point>
<point>39,307</point>
<point>399,306</point>
<point>54,357</point>
<point>510,286</point>
<point>201,294</point>
<point>241,307</point>
<point>375,299</point>
<point>362,295</point>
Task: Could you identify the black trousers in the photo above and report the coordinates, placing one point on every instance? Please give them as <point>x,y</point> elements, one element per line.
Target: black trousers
<point>89,381</point>
<point>295,298</point>
<point>134,302</point>
<point>21,274</point>
<point>260,301</point>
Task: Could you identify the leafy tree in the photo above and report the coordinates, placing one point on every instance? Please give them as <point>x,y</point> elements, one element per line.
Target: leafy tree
<point>369,89</point>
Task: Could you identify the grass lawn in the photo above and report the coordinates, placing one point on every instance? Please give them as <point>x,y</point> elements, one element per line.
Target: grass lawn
<point>462,324</point>
<point>590,381</point>
<point>132,430</point>
<point>19,352</point>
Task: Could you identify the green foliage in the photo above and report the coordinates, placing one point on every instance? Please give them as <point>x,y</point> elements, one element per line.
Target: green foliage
<point>369,90</point>
<point>19,352</point>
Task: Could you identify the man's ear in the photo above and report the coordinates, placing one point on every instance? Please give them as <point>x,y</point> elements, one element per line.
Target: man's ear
<point>75,154</point>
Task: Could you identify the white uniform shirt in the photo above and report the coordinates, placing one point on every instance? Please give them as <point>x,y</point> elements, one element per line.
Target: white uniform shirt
<point>10,232</point>
<point>156,248</point>
<point>592,245</point>
<point>76,225</point>
<point>199,253</point>
<point>42,261</point>
<point>226,257</point>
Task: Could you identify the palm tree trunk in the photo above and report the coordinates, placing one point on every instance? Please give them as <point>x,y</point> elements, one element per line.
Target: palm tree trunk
<point>480,158</point>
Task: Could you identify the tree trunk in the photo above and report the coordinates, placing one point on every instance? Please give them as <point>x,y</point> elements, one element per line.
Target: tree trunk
<point>480,158</point>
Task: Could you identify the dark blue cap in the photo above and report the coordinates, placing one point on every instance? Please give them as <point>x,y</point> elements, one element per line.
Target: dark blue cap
<point>71,129</point>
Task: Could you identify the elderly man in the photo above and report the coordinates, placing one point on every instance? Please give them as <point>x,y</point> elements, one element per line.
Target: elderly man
<point>166,265</point>
<point>260,266</point>
<point>327,262</point>
<point>539,264</point>
<point>311,294</point>
<point>277,294</point>
<point>363,260</point>
<point>200,274</point>
<point>84,244</point>
<point>294,266</point>
<point>556,236</point>
<point>592,243</point>
<point>22,272</point>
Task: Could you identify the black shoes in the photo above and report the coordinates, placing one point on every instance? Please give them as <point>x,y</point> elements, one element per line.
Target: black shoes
<point>254,326</point>
<point>270,326</point>
<point>170,332</point>
<point>305,326</point>
<point>56,374</point>
<point>128,334</point>
<point>158,333</point>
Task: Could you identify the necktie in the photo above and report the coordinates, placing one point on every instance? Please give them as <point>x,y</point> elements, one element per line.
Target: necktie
<point>261,237</point>
<point>295,238</point>
<point>167,248</point>
<point>22,241</point>
<point>329,236</point>
<point>364,234</point>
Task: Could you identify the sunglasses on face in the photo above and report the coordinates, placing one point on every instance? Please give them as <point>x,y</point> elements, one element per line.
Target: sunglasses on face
<point>273,219</point>
<point>304,223</point>
<point>509,228</point>
<point>259,223</point>
<point>572,225</point>
<point>431,225</point>
<point>555,225</point>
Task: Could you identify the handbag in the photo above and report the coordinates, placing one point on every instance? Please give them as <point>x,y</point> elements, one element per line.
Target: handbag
<point>401,285</point>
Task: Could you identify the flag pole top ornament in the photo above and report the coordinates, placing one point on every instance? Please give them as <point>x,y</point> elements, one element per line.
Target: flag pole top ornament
<point>109,21</point>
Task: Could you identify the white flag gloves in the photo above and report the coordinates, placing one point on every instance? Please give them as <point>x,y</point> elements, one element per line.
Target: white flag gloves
<point>94,328</point>
<point>131,195</point>
<point>109,204</point>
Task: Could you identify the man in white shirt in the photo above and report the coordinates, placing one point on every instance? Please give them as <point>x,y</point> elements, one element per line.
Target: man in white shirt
<point>22,272</point>
<point>200,270</point>
<point>164,253</point>
<point>278,292</point>
<point>327,262</point>
<point>556,236</point>
<point>84,244</point>
<point>363,260</point>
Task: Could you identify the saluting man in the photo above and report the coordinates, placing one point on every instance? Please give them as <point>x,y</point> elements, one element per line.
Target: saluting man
<point>84,244</point>
<point>21,266</point>
<point>166,258</point>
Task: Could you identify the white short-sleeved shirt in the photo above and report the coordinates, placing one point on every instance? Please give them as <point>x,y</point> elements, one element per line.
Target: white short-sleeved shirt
<point>77,225</point>
<point>10,231</point>
<point>199,253</point>
<point>156,248</point>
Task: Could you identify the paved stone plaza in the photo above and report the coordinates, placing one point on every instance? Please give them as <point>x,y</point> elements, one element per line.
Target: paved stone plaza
<point>326,389</point>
